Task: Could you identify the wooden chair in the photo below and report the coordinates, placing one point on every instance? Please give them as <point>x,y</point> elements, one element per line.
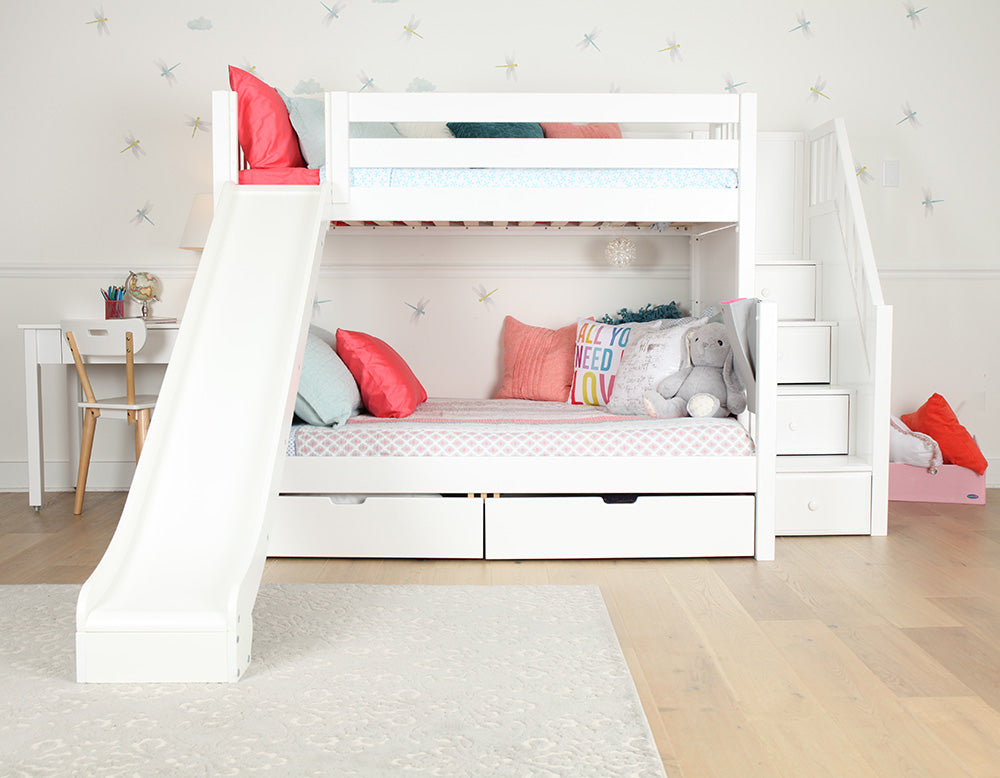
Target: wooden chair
<point>107,338</point>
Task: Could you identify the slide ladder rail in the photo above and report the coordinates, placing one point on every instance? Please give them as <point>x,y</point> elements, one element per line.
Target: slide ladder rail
<point>834,191</point>
<point>171,599</point>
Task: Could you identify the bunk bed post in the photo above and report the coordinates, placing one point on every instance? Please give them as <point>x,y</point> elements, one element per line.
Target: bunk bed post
<point>747,227</point>
<point>338,146</point>
<point>225,142</point>
<point>765,427</point>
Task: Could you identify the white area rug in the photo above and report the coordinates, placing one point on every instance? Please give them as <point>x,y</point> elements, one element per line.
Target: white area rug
<point>346,680</point>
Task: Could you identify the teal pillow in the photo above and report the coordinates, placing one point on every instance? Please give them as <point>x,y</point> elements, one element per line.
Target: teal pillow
<point>496,129</point>
<point>307,117</point>
<point>328,395</point>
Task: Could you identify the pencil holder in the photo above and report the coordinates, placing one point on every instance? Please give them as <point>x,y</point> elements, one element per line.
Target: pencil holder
<point>114,309</point>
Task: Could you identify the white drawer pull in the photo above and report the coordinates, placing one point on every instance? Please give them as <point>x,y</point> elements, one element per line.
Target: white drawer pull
<point>765,292</point>
<point>793,425</point>
<point>813,505</point>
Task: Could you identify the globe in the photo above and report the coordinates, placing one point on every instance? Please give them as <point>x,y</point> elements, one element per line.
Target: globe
<point>143,288</point>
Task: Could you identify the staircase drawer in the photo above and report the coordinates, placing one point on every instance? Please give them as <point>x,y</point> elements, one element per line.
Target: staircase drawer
<point>813,423</point>
<point>822,504</point>
<point>804,354</point>
<point>792,287</point>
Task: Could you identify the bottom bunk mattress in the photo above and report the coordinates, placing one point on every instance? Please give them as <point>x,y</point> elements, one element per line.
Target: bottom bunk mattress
<point>520,428</point>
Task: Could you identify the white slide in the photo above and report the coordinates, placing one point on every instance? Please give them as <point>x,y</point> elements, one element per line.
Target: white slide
<point>172,598</point>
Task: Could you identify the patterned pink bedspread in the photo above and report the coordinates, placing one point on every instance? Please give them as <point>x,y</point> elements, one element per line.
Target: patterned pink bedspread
<point>521,428</point>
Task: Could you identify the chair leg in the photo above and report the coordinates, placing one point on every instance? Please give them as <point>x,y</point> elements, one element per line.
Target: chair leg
<point>141,428</point>
<point>86,447</point>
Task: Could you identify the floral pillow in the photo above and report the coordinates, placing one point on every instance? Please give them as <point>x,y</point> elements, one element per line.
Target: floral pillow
<point>647,360</point>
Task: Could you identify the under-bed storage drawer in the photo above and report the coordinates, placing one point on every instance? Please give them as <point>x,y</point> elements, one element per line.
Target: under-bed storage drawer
<point>587,527</point>
<point>383,526</point>
<point>823,504</point>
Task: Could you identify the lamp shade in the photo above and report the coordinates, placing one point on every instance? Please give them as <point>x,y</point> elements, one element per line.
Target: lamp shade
<point>198,222</point>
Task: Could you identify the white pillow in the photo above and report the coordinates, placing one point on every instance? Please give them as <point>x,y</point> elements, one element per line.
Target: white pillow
<point>423,129</point>
<point>649,359</point>
<point>912,448</point>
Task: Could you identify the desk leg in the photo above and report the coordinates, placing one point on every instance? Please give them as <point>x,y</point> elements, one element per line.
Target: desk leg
<point>74,393</point>
<point>33,407</point>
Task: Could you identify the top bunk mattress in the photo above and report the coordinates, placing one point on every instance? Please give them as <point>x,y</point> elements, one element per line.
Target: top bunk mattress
<point>520,428</point>
<point>543,178</point>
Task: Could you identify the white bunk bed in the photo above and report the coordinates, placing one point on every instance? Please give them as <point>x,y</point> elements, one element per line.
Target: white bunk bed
<point>541,507</point>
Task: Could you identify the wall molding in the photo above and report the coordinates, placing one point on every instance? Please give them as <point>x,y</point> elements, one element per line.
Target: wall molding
<point>388,270</point>
<point>940,273</point>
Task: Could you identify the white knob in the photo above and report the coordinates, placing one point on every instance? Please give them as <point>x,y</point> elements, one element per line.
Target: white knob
<point>813,505</point>
<point>793,425</point>
<point>765,292</point>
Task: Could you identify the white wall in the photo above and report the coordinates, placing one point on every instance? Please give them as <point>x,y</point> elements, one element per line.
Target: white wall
<point>73,94</point>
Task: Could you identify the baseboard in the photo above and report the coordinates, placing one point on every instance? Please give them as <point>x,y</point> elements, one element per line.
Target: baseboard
<point>103,476</point>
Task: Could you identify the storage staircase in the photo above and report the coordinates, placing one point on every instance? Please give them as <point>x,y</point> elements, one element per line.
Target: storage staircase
<point>814,259</point>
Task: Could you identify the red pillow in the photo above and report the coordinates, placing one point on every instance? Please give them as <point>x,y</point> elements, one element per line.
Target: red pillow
<point>265,131</point>
<point>537,362</point>
<point>388,387</point>
<point>280,175</point>
<point>936,418</point>
<point>567,130</point>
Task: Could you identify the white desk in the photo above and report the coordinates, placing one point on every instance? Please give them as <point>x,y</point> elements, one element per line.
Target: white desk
<point>44,344</point>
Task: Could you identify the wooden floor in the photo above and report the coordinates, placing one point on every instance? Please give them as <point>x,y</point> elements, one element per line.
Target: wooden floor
<point>849,656</point>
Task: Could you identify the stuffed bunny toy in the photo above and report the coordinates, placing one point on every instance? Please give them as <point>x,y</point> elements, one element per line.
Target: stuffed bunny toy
<point>710,386</point>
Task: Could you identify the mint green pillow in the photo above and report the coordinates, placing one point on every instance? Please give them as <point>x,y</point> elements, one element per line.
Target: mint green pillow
<point>307,117</point>
<point>328,395</point>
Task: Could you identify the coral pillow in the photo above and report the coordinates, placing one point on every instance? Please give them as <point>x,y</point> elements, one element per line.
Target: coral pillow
<point>388,387</point>
<point>936,418</point>
<point>265,131</point>
<point>303,176</point>
<point>537,362</point>
<point>567,130</point>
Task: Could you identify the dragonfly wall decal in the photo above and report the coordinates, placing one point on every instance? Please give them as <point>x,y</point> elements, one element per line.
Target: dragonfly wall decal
<point>196,123</point>
<point>410,29</point>
<point>332,12</point>
<point>132,144</point>
<point>510,65</point>
<point>366,81</point>
<point>101,21</point>
<point>816,90</point>
<point>733,86</point>
<point>929,202</point>
<point>420,309</point>
<point>673,48</point>
<point>483,296</point>
<point>909,116</point>
<point>142,215</point>
<point>913,14</point>
<point>803,25</point>
<point>167,72</point>
<point>589,40</point>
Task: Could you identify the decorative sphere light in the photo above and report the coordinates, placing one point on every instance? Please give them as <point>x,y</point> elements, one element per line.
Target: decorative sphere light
<point>620,252</point>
